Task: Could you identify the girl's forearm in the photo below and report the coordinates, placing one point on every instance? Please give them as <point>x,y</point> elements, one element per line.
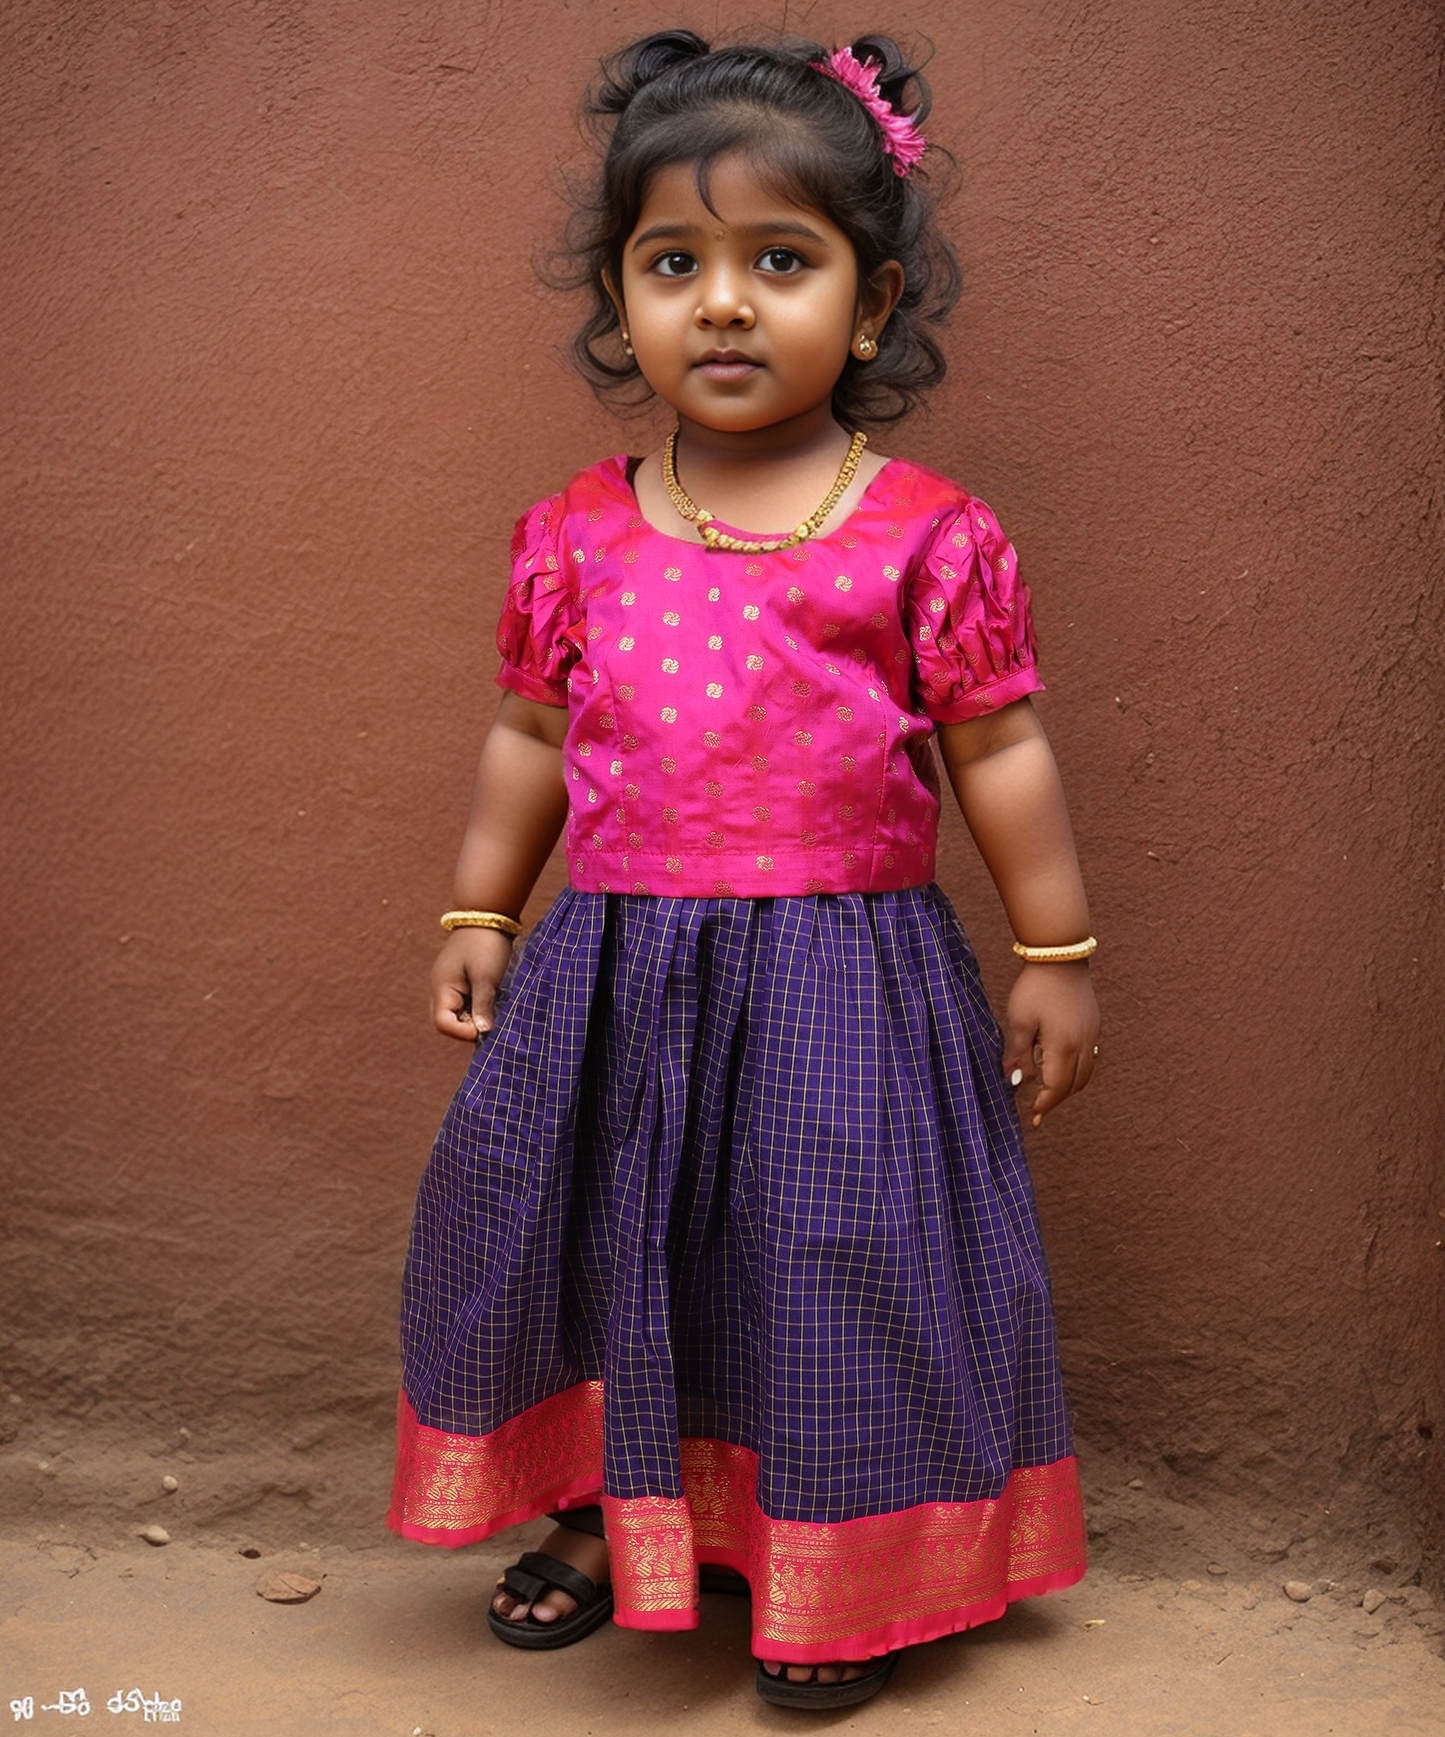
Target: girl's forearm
<point>518,809</point>
<point>1007,785</point>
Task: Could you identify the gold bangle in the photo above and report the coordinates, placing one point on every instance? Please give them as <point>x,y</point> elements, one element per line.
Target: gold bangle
<point>1057,955</point>
<point>481,920</point>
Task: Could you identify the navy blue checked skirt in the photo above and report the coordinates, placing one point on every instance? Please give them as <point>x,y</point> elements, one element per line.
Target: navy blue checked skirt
<point>752,1166</point>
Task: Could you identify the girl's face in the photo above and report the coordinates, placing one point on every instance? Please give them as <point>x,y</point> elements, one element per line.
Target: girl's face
<point>742,318</point>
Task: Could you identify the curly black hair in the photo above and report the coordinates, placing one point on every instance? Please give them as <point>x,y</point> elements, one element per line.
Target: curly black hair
<point>670,98</point>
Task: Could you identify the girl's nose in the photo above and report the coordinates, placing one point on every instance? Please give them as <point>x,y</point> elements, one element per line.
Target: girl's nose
<point>723,301</point>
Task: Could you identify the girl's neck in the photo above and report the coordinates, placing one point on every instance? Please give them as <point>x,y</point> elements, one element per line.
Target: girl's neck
<point>800,441</point>
<point>754,487</point>
<point>760,481</point>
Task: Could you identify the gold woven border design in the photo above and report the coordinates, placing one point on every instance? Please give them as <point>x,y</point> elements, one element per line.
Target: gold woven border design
<point>477,1483</point>
<point>654,1564</point>
<point>811,1582</point>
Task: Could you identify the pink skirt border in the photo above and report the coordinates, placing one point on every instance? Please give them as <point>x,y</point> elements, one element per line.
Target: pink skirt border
<point>847,1590</point>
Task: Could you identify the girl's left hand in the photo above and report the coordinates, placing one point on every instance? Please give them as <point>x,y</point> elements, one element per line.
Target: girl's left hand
<point>1052,1015</point>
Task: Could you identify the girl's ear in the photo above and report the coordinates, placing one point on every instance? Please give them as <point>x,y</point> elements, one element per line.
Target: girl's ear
<point>878,297</point>
<point>615,295</point>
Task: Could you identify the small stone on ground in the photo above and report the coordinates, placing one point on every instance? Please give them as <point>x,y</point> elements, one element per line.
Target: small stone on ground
<point>287,1588</point>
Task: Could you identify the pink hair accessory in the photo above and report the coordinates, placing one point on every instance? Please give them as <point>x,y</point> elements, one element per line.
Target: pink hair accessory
<point>900,137</point>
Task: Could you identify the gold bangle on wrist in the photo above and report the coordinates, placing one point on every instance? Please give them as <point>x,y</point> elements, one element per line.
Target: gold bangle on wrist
<point>481,920</point>
<point>1057,955</point>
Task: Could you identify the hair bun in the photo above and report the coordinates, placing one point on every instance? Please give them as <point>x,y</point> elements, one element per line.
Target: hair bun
<point>895,76</point>
<point>626,72</point>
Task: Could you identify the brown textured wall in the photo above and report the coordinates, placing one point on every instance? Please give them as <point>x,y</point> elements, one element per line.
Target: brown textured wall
<point>277,378</point>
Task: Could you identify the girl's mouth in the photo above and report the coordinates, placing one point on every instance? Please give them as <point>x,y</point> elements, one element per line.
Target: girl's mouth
<point>727,365</point>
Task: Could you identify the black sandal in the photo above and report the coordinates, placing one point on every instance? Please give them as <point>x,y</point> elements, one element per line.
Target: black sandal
<point>532,1578</point>
<point>821,1697</point>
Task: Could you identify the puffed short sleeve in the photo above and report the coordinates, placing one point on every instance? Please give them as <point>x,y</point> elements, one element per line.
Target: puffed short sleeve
<point>967,617</point>
<point>540,634</point>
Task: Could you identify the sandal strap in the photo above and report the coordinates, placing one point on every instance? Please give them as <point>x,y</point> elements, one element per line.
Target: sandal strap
<point>525,1588</point>
<point>536,1574</point>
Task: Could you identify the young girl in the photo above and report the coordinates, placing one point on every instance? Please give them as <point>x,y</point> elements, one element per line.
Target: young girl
<point>727,1252</point>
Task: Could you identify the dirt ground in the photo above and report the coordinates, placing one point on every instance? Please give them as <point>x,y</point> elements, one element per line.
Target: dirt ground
<point>1182,1627</point>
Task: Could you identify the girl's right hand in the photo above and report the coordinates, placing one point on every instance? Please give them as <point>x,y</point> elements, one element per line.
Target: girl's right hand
<point>464,982</point>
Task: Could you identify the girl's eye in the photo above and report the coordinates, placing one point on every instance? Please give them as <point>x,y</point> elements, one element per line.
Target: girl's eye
<point>675,265</point>
<point>780,260</point>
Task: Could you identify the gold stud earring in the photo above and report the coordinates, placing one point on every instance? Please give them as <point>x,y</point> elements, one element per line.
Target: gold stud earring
<point>864,348</point>
<point>626,342</point>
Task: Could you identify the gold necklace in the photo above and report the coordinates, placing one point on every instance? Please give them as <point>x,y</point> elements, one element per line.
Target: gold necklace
<point>688,509</point>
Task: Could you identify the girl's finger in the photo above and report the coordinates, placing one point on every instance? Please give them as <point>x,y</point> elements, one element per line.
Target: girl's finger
<point>1058,1081</point>
<point>1084,1067</point>
<point>1073,1073</point>
<point>1018,1055</point>
<point>484,1007</point>
<point>450,1014</point>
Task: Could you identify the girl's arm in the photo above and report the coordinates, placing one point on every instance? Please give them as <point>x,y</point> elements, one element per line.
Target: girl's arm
<point>1007,784</point>
<point>518,807</point>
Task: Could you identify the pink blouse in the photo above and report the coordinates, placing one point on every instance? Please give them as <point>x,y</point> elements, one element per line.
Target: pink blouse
<point>750,725</point>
